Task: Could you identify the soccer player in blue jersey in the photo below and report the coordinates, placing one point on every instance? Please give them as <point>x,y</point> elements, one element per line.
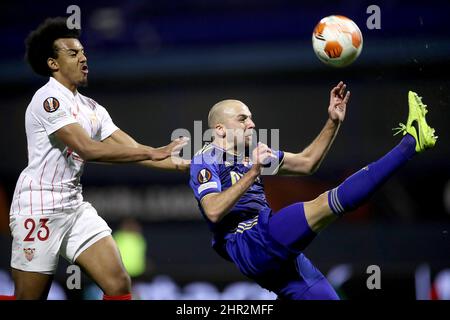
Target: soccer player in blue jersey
<point>267,246</point>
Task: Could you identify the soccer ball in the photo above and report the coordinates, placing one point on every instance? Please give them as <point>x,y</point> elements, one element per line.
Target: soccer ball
<point>337,41</point>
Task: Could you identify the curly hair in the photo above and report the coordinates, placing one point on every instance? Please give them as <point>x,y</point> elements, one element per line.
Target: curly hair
<point>40,43</point>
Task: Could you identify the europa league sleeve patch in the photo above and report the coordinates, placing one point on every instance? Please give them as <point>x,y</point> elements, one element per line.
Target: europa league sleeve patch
<point>51,104</point>
<point>204,176</point>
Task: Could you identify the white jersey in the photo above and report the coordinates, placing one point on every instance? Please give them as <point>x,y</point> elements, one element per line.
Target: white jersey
<point>50,184</point>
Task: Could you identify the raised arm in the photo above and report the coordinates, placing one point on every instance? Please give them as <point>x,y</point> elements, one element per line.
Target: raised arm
<point>217,205</point>
<point>76,138</point>
<point>309,160</point>
<point>119,137</point>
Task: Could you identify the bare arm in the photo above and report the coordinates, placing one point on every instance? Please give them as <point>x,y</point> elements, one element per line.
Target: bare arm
<point>119,137</point>
<point>76,138</point>
<point>217,205</point>
<point>309,160</point>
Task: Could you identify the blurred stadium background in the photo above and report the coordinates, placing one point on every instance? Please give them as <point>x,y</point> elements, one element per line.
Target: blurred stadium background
<point>160,65</point>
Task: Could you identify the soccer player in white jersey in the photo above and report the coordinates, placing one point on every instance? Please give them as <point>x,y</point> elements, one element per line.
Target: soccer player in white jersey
<point>64,130</point>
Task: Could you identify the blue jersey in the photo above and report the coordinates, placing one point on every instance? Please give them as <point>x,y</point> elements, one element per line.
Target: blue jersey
<point>213,171</point>
<point>243,236</point>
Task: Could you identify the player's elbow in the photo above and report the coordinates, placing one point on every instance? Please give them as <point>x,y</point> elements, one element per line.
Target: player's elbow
<point>212,207</point>
<point>214,218</point>
<point>213,212</point>
<point>305,166</point>
<point>214,215</point>
<point>312,167</point>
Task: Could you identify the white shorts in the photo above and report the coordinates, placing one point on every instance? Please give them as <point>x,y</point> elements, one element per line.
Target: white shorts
<point>38,240</point>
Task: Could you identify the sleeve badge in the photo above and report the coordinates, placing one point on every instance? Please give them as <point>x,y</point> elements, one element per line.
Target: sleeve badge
<point>51,104</point>
<point>204,176</point>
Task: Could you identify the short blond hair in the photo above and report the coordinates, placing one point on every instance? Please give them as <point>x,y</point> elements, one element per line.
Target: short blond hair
<point>217,111</point>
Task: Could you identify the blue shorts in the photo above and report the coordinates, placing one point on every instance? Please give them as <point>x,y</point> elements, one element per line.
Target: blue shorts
<point>289,274</point>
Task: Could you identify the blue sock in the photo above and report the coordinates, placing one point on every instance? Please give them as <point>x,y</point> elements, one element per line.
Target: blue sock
<point>360,186</point>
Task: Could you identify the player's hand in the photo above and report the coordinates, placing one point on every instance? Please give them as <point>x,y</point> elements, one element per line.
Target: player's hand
<point>172,150</point>
<point>262,155</point>
<point>338,102</point>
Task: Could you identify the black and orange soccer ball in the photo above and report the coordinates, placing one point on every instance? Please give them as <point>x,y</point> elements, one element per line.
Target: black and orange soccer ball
<point>337,41</point>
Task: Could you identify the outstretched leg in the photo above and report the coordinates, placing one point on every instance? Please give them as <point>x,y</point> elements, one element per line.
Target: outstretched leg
<point>355,190</point>
<point>359,187</point>
<point>295,226</point>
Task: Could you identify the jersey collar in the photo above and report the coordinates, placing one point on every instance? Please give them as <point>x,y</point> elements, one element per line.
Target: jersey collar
<point>59,86</point>
<point>237,158</point>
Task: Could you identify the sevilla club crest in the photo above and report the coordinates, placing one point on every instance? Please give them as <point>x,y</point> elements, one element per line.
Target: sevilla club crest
<point>29,253</point>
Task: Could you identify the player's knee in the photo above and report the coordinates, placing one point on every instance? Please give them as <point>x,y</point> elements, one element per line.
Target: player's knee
<point>119,284</point>
<point>318,206</point>
<point>318,212</point>
<point>123,283</point>
<point>322,202</point>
